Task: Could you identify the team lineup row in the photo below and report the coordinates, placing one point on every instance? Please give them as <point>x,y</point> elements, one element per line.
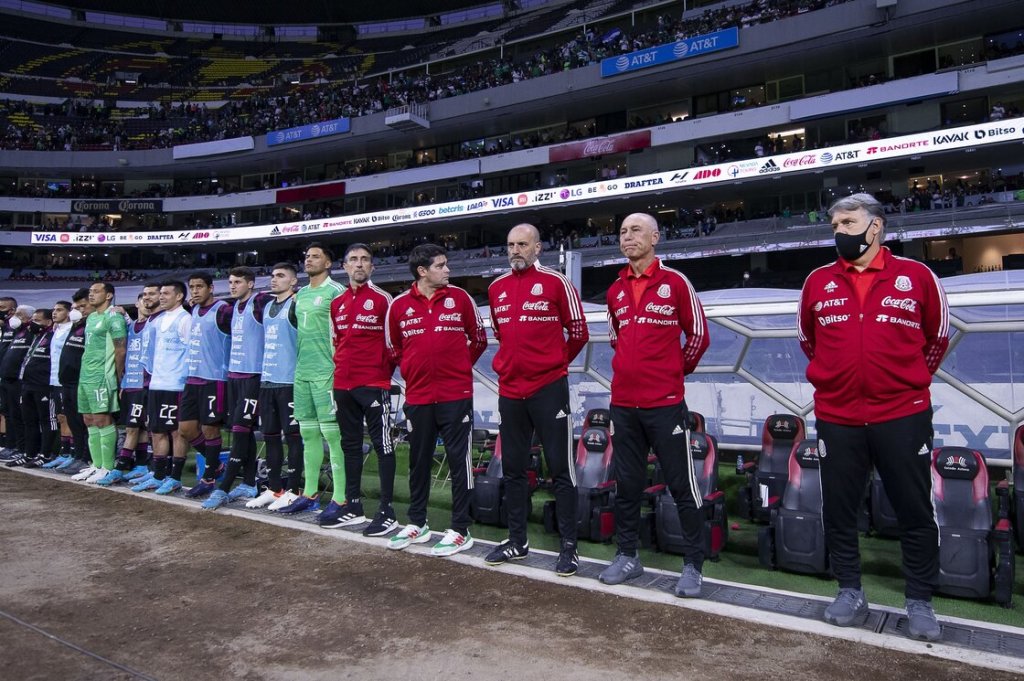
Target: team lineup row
<point>313,366</point>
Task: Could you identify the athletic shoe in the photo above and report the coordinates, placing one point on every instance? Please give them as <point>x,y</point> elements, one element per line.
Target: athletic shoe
<point>341,515</point>
<point>383,523</point>
<point>169,486</point>
<point>59,461</point>
<point>265,498</point>
<point>72,467</point>
<point>921,622</point>
<point>410,534</point>
<point>690,581</point>
<point>84,474</point>
<point>98,475</point>
<point>9,453</point>
<point>622,569</point>
<point>18,460</point>
<point>451,543</point>
<point>302,503</point>
<point>216,499</point>
<point>243,491</point>
<point>850,608</point>
<point>37,461</point>
<point>137,472</point>
<point>286,498</point>
<point>568,561</point>
<point>201,488</point>
<point>506,551</point>
<point>146,484</point>
<point>110,478</point>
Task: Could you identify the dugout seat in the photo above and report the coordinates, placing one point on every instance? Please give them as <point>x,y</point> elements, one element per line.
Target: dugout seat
<point>487,502</point>
<point>975,555</point>
<point>766,477</point>
<point>667,533</point>
<point>795,537</point>
<point>1018,487</point>
<point>595,488</point>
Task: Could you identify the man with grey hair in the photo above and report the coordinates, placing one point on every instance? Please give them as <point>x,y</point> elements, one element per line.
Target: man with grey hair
<point>875,328</point>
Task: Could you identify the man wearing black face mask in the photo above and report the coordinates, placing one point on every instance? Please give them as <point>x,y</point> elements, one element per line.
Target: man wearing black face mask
<point>37,409</point>
<point>7,307</point>
<point>23,333</point>
<point>875,328</point>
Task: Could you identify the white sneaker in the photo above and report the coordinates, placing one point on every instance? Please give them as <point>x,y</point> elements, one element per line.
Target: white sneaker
<point>410,534</point>
<point>284,500</point>
<point>263,499</point>
<point>98,475</point>
<point>84,474</point>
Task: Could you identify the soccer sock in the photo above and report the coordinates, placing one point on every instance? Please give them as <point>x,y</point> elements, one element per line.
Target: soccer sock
<point>249,459</point>
<point>65,445</point>
<point>295,456</point>
<point>212,453</point>
<point>143,454</point>
<point>94,447</point>
<point>159,467</point>
<point>332,434</point>
<point>386,469</point>
<point>312,456</point>
<point>237,459</point>
<point>177,466</point>
<point>108,445</point>
<point>275,458</point>
<point>125,459</point>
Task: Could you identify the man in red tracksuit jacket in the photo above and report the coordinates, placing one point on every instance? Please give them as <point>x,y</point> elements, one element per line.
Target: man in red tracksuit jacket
<point>362,391</point>
<point>435,336</point>
<point>537,317</point>
<point>650,307</point>
<point>875,328</point>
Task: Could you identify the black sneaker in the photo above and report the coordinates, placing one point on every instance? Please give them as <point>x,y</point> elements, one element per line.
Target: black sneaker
<point>568,561</point>
<point>8,453</point>
<point>74,467</point>
<point>36,461</point>
<point>18,460</point>
<point>506,551</point>
<point>341,515</point>
<point>383,523</point>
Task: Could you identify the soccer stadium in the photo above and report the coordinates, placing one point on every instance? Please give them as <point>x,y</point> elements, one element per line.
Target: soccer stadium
<point>514,339</point>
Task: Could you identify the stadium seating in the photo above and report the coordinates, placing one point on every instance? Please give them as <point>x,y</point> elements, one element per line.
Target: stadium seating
<point>975,555</point>
<point>595,518</point>
<point>667,529</point>
<point>766,477</point>
<point>487,504</point>
<point>1018,487</point>
<point>795,537</point>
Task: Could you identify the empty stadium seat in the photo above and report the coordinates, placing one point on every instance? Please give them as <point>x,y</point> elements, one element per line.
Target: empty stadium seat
<point>595,518</point>
<point>1018,487</point>
<point>975,555</point>
<point>487,502</point>
<point>668,535</point>
<point>795,537</point>
<point>766,477</point>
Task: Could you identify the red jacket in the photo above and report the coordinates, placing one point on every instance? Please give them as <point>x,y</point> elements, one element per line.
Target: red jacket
<point>873,363</point>
<point>435,343</point>
<point>649,361</point>
<point>361,358</point>
<point>531,313</point>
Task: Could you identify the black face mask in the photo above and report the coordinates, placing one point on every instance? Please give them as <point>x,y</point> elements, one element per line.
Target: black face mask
<point>852,246</point>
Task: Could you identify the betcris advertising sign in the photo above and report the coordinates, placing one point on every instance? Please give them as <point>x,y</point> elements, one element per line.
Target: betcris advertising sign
<point>308,132</point>
<point>665,54</point>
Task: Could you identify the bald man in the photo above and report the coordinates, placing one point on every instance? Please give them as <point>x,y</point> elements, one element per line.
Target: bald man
<point>652,307</point>
<point>537,317</point>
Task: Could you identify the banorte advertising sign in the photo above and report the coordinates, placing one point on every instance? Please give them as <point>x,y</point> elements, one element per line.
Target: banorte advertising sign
<point>600,146</point>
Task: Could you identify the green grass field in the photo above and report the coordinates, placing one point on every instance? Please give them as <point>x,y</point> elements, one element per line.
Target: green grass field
<point>882,579</point>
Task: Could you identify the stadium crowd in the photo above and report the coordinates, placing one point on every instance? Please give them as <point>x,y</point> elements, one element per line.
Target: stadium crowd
<point>265,111</point>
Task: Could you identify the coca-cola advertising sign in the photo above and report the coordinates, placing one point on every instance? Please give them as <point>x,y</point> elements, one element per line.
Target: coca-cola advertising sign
<point>600,146</point>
